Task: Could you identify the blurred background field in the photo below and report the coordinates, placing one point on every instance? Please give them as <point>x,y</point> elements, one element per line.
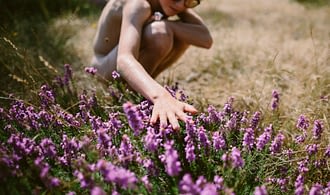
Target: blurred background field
<point>258,46</point>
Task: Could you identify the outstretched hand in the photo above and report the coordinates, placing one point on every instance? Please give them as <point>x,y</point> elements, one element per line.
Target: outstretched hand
<point>168,109</point>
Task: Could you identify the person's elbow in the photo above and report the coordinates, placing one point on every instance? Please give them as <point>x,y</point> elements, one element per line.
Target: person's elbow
<point>122,63</point>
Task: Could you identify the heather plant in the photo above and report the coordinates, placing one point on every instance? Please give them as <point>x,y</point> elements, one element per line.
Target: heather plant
<point>78,143</point>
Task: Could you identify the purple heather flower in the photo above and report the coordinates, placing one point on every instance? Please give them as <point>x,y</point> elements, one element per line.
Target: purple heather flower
<point>232,122</point>
<point>327,152</point>
<point>311,149</point>
<point>96,190</point>
<point>209,189</point>
<point>203,138</point>
<point>190,149</point>
<point>300,139</point>
<point>248,138</point>
<point>125,150</point>
<point>302,123</point>
<point>103,137</point>
<point>219,142</point>
<point>275,100</point>
<point>191,128</point>
<point>48,147</point>
<point>134,116</point>
<point>260,190</point>
<point>302,166</point>
<point>46,95</point>
<point>236,159</point>
<point>187,186</point>
<point>152,140</point>
<point>255,120</point>
<point>67,74</point>
<point>85,181</point>
<point>277,143</point>
<point>218,181</point>
<point>317,129</point>
<point>146,182</point>
<point>316,189</point>
<point>91,70</point>
<point>213,115</point>
<point>299,185</point>
<point>228,107</point>
<point>171,159</point>
<point>118,175</point>
<point>115,74</point>
<point>264,138</point>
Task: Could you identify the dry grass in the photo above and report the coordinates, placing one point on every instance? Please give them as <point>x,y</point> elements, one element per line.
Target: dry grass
<point>259,45</point>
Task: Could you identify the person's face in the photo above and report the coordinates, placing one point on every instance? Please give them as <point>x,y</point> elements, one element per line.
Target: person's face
<point>173,7</point>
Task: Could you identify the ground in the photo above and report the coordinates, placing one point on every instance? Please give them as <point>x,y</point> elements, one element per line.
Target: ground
<point>259,46</point>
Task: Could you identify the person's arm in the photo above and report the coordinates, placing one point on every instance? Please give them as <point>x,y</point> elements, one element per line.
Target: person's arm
<point>166,108</point>
<point>191,29</point>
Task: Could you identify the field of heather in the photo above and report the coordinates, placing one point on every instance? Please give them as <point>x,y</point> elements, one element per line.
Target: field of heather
<point>262,90</point>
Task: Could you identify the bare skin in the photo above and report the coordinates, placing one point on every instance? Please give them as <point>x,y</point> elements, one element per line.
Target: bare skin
<point>131,42</point>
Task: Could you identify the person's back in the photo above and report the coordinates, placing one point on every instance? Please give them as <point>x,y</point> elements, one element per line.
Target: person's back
<point>132,41</point>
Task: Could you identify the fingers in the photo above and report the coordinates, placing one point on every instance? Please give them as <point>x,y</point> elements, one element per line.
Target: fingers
<point>173,121</point>
<point>154,117</point>
<point>189,108</point>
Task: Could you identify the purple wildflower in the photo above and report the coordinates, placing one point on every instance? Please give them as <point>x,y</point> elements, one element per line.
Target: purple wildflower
<point>219,142</point>
<point>260,190</point>
<point>96,190</point>
<point>134,116</point>
<point>248,138</point>
<point>219,182</point>
<point>232,122</point>
<point>187,186</point>
<point>190,149</point>
<point>171,159</point>
<point>67,74</point>
<point>275,100</point>
<point>46,95</point>
<point>48,147</point>
<point>146,182</point>
<point>327,152</point>
<point>125,151</point>
<point>228,107</point>
<point>151,140</point>
<point>118,175</point>
<point>91,70</point>
<point>277,143</point>
<point>317,129</point>
<point>209,189</point>
<point>311,149</point>
<point>202,137</point>
<point>115,74</point>
<point>302,166</point>
<point>255,120</point>
<point>300,139</point>
<point>264,138</point>
<point>236,159</point>
<point>302,123</point>
<point>316,189</point>
<point>299,185</point>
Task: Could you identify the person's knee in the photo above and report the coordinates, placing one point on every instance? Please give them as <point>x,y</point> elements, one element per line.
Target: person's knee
<point>158,37</point>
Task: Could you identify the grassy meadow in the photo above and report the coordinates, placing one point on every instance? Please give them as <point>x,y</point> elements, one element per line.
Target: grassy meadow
<point>262,90</point>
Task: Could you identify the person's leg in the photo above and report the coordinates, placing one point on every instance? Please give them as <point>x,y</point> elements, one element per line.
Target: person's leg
<point>105,65</point>
<point>159,48</point>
